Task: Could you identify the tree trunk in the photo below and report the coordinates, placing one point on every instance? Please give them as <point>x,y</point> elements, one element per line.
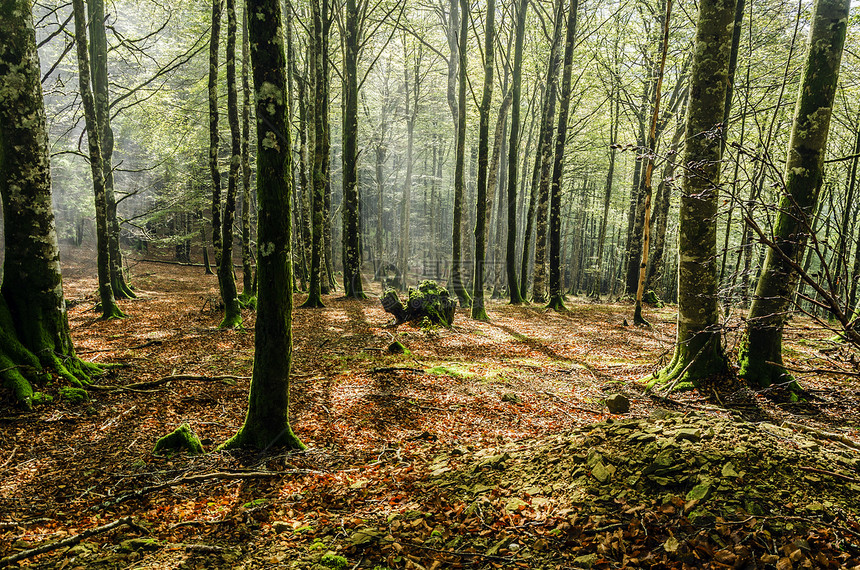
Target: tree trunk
<point>760,352</point>
<point>214,137</point>
<point>34,327</point>
<point>515,287</point>
<point>109,308</point>
<point>247,256</point>
<point>543,160</point>
<point>350,211</point>
<point>98,60</point>
<point>556,289</point>
<point>479,312</point>
<point>649,168</point>
<point>698,350</point>
<point>456,284</point>
<point>267,423</point>
<point>226,280</point>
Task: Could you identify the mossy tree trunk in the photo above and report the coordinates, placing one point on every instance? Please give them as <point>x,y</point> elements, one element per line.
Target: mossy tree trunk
<point>317,183</point>
<point>214,137</point>
<point>760,352</point>
<point>479,312</point>
<point>98,60</point>
<point>109,308</point>
<point>34,328</point>
<point>556,289</point>
<point>457,285</point>
<point>515,287</point>
<point>543,160</point>
<point>698,349</point>
<point>350,212</point>
<point>267,423</point>
<point>226,279</point>
<point>247,255</point>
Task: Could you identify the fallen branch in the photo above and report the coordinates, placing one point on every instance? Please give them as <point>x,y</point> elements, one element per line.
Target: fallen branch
<point>837,437</point>
<point>206,477</point>
<point>70,541</point>
<point>833,474</point>
<point>227,379</point>
<point>182,263</point>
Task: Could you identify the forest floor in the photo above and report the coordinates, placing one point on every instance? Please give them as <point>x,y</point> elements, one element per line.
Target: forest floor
<point>489,446</point>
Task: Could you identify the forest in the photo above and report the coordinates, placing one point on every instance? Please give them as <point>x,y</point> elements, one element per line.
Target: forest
<point>425,284</point>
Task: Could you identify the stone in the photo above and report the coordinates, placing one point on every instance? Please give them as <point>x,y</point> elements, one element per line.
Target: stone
<point>511,397</point>
<point>729,470</point>
<point>281,526</point>
<point>700,492</point>
<point>514,504</point>
<point>617,404</point>
<point>585,561</point>
<point>688,434</point>
<point>600,472</point>
<point>364,536</point>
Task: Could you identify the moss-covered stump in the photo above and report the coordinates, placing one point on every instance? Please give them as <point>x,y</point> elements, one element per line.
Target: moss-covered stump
<point>650,298</point>
<point>429,300</point>
<point>179,440</point>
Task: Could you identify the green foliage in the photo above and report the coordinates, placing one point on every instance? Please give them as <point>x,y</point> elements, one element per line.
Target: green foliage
<point>40,398</point>
<point>332,560</point>
<point>74,395</point>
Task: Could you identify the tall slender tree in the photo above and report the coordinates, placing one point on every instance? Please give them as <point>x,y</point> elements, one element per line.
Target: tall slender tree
<point>457,284</point>
<point>267,423</point>
<point>248,292</point>
<point>479,312</point>
<point>109,308</point>
<point>101,95</point>
<point>556,290</point>
<point>698,351</point>
<point>226,280</point>
<point>515,287</point>
<point>214,137</point>
<point>760,352</point>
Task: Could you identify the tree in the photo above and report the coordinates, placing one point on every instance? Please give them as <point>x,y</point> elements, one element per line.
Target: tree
<point>556,292</point>
<point>98,60</point>
<point>351,239</point>
<point>214,138</point>
<point>478,310</point>
<point>460,165</point>
<point>226,280</point>
<point>698,350</point>
<point>760,352</point>
<point>248,292</point>
<point>267,423</point>
<point>34,328</point>
<point>514,286</point>
<point>109,308</point>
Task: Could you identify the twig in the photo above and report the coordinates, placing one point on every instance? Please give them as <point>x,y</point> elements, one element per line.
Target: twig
<point>70,541</point>
<point>461,553</point>
<point>9,460</point>
<point>153,383</point>
<point>206,477</point>
<point>837,437</point>
<point>829,473</point>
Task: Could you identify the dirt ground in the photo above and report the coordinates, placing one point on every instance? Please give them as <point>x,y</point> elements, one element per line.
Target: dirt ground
<point>376,426</point>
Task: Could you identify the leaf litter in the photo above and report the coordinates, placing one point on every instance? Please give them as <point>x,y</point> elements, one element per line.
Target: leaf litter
<point>487,446</point>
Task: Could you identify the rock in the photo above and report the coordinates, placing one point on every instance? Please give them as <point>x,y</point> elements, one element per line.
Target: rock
<point>585,561</point>
<point>364,536</point>
<point>514,504</point>
<point>729,470</point>
<point>600,472</point>
<point>700,492</point>
<point>688,434</point>
<point>511,397</point>
<point>617,404</point>
<point>281,526</point>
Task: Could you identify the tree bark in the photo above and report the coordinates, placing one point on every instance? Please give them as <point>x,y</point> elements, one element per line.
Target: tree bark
<point>34,327</point>
<point>247,255</point>
<point>556,289</point>
<point>214,137</point>
<point>760,353</point>
<point>109,308</point>
<point>479,311</point>
<point>698,351</point>
<point>457,285</point>
<point>267,422</point>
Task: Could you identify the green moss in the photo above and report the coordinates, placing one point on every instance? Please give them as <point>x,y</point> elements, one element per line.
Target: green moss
<point>39,398</point>
<point>455,370</point>
<point>74,395</point>
<point>180,439</point>
<point>332,560</point>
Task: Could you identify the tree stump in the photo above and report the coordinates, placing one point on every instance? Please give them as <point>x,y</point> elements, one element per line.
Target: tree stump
<point>428,300</point>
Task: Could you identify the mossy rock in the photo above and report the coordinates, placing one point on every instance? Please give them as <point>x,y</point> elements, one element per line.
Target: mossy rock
<point>429,301</point>
<point>332,560</point>
<point>74,395</point>
<point>180,439</point>
<point>651,298</point>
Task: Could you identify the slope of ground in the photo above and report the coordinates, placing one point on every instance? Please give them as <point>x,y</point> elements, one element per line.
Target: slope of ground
<point>488,446</point>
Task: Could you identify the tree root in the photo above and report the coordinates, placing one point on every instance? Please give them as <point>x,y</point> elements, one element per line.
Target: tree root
<point>230,380</point>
